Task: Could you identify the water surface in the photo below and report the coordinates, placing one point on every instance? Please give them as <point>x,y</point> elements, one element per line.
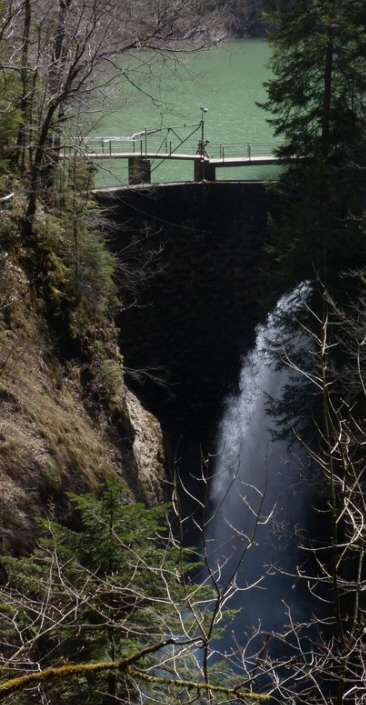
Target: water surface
<point>227,80</point>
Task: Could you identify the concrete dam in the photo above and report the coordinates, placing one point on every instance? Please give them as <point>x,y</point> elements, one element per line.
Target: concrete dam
<point>193,286</point>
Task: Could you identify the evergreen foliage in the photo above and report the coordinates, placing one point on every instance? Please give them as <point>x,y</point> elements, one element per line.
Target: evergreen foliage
<point>106,612</point>
<point>316,101</point>
<point>74,262</point>
<point>100,593</point>
<point>318,233</point>
<point>111,599</point>
<point>316,97</point>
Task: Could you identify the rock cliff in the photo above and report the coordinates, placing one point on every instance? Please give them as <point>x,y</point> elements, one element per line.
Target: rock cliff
<point>65,424</point>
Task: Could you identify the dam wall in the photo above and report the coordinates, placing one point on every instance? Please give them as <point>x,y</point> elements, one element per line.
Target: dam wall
<point>193,285</point>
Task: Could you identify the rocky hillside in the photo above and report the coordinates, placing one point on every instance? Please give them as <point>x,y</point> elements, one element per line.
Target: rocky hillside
<point>66,423</point>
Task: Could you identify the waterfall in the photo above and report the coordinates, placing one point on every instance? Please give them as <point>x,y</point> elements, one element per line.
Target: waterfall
<point>258,497</point>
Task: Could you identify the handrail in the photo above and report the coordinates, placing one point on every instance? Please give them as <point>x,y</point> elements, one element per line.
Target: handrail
<point>171,144</point>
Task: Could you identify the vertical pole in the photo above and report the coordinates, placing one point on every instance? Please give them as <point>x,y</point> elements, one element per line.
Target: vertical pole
<point>201,143</point>
<point>110,147</point>
<point>145,141</point>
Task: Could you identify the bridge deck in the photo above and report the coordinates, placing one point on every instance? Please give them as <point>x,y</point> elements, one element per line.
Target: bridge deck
<point>244,161</point>
<point>144,152</point>
<point>141,155</point>
<point>220,162</point>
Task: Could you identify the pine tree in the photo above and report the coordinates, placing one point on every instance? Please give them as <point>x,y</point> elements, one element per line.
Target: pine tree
<point>108,613</point>
<point>316,101</point>
<point>317,93</point>
<point>98,594</point>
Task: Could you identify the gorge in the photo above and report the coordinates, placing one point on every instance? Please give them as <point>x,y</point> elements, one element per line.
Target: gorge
<point>185,332</point>
<point>134,348</point>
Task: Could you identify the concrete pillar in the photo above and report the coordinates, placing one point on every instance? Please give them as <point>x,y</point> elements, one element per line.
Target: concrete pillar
<point>198,170</point>
<point>139,171</point>
<point>210,172</point>
<point>203,170</point>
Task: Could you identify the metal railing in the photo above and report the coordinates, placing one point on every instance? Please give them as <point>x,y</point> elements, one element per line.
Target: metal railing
<point>244,150</point>
<point>152,141</point>
<point>143,142</point>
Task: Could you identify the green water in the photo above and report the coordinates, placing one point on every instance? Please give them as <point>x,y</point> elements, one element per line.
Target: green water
<point>227,80</point>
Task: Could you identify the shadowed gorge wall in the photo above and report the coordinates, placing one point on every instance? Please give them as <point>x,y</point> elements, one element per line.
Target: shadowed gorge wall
<point>193,318</point>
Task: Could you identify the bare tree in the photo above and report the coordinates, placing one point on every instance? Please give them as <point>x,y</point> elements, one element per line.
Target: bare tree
<point>122,603</point>
<point>67,54</point>
<point>325,656</point>
<point>115,603</point>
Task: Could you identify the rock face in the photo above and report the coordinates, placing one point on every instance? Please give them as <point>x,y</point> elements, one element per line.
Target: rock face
<point>145,469</point>
<point>190,285</point>
<point>58,432</point>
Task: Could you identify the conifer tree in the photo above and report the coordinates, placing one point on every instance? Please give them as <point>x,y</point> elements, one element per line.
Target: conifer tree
<point>316,102</point>
<point>107,613</point>
<point>316,96</point>
<point>95,594</point>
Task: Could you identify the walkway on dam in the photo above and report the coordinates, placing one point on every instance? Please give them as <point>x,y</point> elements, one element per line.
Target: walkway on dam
<point>146,150</point>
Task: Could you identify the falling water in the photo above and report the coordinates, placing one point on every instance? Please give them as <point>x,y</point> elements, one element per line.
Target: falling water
<point>258,495</point>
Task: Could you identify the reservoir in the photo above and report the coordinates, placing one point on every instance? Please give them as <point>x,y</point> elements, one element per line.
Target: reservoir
<point>226,80</point>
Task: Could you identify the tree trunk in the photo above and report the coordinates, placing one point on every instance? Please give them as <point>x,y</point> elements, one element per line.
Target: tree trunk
<point>327,96</point>
<point>25,98</point>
